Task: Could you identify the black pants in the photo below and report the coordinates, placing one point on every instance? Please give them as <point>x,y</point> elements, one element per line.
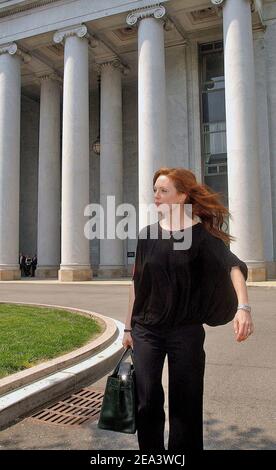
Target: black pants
<point>186,363</point>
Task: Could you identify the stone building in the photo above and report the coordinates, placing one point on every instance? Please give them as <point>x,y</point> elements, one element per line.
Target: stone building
<point>190,83</point>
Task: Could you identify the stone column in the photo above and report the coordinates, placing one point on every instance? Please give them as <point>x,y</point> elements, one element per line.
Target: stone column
<point>152,127</point>
<point>111,167</point>
<point>10,90</point>
<point>242,144</point>
<point>48,230</point>
<point>193,104</point>
<point>75,259</point>
<point>264,149</point>
<point>270,79</point>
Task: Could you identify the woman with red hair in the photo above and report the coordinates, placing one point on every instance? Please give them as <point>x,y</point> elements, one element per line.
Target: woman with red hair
<point>175,290</point>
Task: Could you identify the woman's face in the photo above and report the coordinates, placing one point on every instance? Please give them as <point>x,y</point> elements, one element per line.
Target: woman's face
<point>166,193</point>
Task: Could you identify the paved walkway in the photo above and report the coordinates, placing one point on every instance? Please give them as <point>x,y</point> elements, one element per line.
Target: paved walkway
<point>240,391</point>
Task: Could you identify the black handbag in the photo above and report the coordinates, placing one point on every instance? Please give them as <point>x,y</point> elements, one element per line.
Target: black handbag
<point>118,411</point>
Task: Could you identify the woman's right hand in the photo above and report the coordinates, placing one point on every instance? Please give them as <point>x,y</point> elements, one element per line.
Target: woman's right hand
<point>127,340</point>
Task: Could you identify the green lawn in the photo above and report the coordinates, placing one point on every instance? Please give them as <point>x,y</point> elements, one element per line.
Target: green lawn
<point>29,335</point>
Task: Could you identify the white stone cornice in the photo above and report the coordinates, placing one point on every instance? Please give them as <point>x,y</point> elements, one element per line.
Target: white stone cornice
<point>157,11</point>
<point>12,49</point>
<point>79,31</point>
<point>29,6</point>
<point>115,64</point>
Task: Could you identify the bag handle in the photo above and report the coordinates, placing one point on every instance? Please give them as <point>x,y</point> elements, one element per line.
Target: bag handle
<point>124,355</point>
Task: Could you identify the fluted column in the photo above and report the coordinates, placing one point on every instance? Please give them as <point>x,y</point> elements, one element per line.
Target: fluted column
<point>152,126</point>
<point>264,148</point>
<point>111,166</point>
<point>48,231</point>
<point>75,259</point>
<point>242,145</point>
<point>10,89</point>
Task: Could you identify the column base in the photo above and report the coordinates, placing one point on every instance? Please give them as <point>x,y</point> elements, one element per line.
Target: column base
<point>256,272</point>
<point>46,272</point>
<point>271,269</point>
<point>75,274</point>
<point>129,270</point>
<point>10,274</point>
<point>112,272</point>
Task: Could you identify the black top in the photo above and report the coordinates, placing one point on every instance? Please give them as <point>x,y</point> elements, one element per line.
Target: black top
<point>175,287</point>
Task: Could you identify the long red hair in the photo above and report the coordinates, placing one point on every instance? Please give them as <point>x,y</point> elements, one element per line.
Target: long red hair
<point>206,203</point>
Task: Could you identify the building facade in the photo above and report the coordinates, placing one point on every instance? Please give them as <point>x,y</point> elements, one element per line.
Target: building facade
<point>188,83</point>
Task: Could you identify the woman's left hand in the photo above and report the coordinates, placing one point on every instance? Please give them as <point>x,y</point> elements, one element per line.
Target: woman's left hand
<point>243,325</point>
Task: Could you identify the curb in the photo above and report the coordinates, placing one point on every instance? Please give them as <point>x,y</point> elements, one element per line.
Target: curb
<point>270,284</point>
<point>19,379</point>
<point>102,281</point>
<point>115,282</point>
<point>16,404</point>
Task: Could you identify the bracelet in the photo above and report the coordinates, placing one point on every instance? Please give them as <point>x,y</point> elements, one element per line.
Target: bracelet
<point>244,307</point>
<point>127,331</point>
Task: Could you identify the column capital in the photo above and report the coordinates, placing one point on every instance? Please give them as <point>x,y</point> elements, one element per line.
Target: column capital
<point>219,3</point>
<point>218,6</point>
<point>79,30</point>
<point>156,11</point>
<point>116,64</point>
<point>41,77</point>
<point>12,49</point>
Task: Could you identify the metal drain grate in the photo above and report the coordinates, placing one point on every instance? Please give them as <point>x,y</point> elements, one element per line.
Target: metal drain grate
<point>82,406</point>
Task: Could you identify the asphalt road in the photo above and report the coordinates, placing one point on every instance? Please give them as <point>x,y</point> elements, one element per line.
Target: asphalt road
<point>240,385</point>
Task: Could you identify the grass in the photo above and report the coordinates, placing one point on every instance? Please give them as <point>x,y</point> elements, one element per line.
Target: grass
<point>30,335</point>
